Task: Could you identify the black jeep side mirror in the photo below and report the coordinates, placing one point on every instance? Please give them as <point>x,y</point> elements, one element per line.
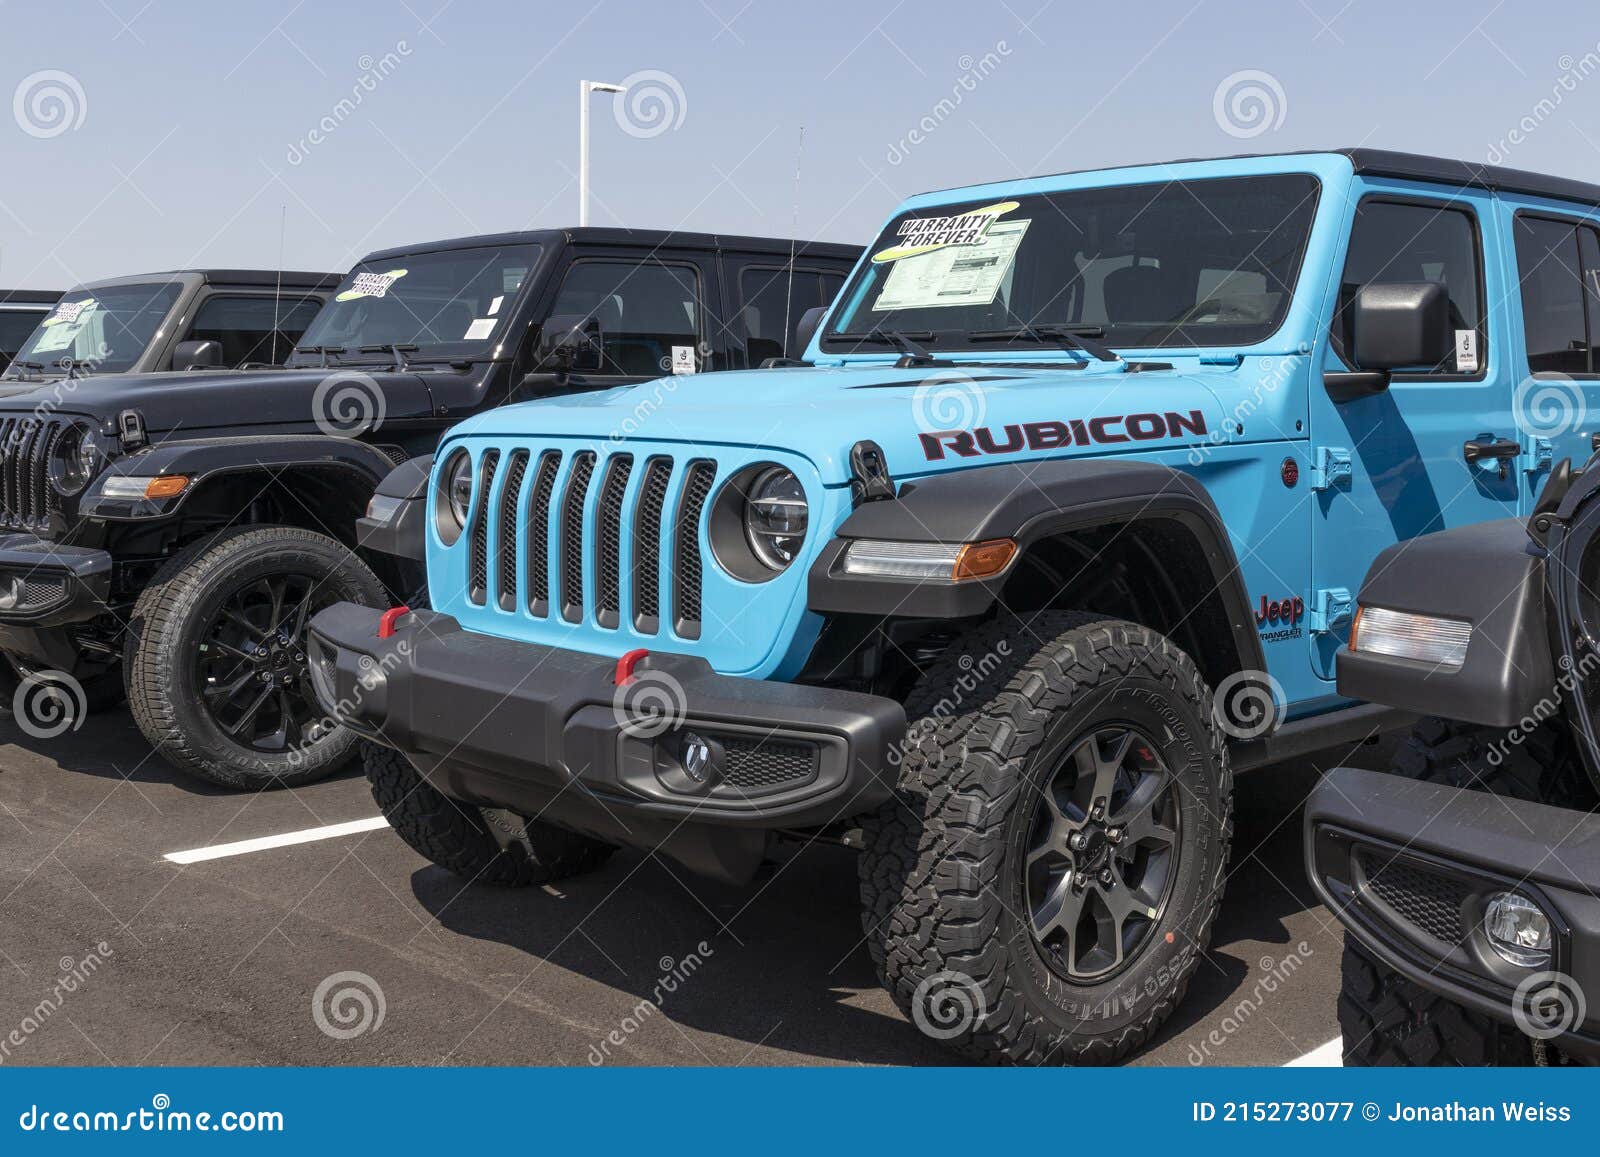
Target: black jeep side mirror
<point>197,355</point>
<point>570,341</point>
<point>806,330</point>
<point>1405,324</point>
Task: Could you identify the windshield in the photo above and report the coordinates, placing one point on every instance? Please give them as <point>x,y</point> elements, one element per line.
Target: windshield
<point>101,330</point>
<point>438,305</point>
<point>1187,263</point>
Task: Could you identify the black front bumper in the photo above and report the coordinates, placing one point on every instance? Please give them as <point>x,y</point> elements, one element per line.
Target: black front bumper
<point>1408,868</point>
<point>46,584</point>
<point>547,732</point>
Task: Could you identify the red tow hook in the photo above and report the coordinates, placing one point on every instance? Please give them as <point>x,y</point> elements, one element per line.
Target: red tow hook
<point>390,617</point>
<point>627,663</point>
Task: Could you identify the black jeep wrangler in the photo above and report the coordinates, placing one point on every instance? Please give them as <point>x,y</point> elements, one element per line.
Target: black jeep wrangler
<point>21,311</point>
<point>158,322</point>
<point>168,536</point>
<point>1468,881</point>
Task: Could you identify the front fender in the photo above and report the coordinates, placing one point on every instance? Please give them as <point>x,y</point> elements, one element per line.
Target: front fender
<point>203,460</point>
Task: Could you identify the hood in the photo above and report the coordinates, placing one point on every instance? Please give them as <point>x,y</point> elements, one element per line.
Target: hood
<point>216,399</point>
<point>927,419</point>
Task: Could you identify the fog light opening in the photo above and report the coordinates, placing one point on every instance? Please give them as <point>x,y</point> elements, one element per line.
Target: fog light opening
<point>1517,929</point>
<point>697,757</point>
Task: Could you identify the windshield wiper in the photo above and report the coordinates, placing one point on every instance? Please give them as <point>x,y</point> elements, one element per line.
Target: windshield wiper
<point>326,351</point>
<point>1078,338</point>
<point>906,343</point>
<point>396,350</point>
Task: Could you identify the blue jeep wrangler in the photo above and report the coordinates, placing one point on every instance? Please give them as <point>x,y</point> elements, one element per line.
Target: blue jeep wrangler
<point>1056,529</point>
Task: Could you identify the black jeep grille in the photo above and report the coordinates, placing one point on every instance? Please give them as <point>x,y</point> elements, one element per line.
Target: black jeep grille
<point>27,500</point>
<point>625,530</point>
<point>1429,900</point>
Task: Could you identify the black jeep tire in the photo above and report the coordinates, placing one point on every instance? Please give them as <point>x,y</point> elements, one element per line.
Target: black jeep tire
<point>481,845</point>
<point>1388,1020</point>
<point>171,637</point>
<point>950,870</point>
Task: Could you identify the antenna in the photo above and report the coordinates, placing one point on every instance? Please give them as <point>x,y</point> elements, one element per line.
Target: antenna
<point>794,230</point>
<point>277,292</point>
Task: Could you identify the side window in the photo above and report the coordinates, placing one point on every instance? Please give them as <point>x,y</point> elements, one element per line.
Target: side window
<point>1589,253</point>
<point>244,326</point>
<point>16,326</point>
<point>767,302</point>
<point>1553,312</point>
<point>643,310</point>
<point>1396,242</point>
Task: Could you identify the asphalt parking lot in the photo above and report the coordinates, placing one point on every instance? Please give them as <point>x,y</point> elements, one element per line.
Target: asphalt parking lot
<point>219,961</point>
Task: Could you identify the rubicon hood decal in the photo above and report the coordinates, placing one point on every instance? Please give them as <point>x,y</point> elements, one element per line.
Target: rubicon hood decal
<point>1055,433</point>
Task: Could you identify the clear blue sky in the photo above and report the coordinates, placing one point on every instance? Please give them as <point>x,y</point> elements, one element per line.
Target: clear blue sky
<point>178,151</point>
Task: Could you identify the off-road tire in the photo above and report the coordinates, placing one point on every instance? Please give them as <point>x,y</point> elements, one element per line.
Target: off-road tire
<point>1389,1020</point>
<point>462,839</point>
<point>161,643</point>
<point>938,873</point>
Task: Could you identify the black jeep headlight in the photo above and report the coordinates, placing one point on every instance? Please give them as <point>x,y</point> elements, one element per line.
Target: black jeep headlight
<point>453,497</point>
<point>775,517</point>
<point>80,454</point>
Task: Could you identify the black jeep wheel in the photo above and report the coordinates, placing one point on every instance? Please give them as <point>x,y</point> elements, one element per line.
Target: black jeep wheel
<point>1042,887</point>
<point>1388,1020</point>
<point>215,656</point>
<point>481,845</point>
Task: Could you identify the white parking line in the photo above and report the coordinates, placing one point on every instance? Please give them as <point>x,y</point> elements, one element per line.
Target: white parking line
<point>262,843</point>
<point>1328,1056</point>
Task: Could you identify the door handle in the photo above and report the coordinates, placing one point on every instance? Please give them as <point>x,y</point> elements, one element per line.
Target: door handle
<point>1500,450</point>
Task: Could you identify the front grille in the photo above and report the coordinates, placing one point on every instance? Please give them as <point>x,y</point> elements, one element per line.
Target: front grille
<point>27,500</point>
<point>1429,900</point>
<point>759,765</point>
<point>555,521</point>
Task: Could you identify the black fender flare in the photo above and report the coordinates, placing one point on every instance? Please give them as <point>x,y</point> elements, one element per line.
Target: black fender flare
<point>1490,574</point>
<point>397,526</point>
<point>1026,502</point>
<point>205,459</point>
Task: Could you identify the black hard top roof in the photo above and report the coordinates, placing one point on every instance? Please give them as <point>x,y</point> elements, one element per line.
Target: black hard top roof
<point>29,296</point>
<point>595,235</point>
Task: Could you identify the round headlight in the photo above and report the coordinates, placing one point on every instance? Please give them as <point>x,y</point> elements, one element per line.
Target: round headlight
<point>775,517</point>
<point>79,455</point>
<point>458,487</point>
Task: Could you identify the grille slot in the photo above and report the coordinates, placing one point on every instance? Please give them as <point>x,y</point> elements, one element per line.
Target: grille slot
<point>572,536</point>
<point>544,485</point>
<point>647,545</point>
<point>1427,899</point>
<point>26,497</point>
<point>478,575</point>
<point>753,765</point>
<point>506,544</point>
<point>608,541</point>
<point>686,564</point>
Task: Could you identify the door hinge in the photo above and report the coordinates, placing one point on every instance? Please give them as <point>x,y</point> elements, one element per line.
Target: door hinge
<point>1330,608</point>
<point>1543,455</point>
<point>1331,468</point>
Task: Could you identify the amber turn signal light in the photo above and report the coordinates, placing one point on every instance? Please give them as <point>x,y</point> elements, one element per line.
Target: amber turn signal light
<point>166,486</point>
<point>981,560</point>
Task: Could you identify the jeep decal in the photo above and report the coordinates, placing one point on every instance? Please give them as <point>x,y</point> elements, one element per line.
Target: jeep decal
<point>1053,434</point>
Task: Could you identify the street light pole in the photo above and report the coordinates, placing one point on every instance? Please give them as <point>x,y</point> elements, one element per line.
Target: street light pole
<point>585,87</point>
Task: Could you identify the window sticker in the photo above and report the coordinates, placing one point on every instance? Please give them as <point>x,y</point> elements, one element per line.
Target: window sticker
<point>919,235</point>
<point>480,328</point>
<point>61,328</point>
<point>683,359</point>
<point>69,311</point>
<point>964,274</point>
<point>494,306</point>
<point>1466,351</point>
<point>371,285</point>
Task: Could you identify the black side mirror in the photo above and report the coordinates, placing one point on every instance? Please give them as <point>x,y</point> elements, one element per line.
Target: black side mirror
<point>570,341</point>
<point>1400,326</point>
<point>197,355</point>
<point>806,330</point>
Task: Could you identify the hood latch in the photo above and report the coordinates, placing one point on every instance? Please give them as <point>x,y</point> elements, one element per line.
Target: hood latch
<point>130,430</point>
<point>869,474</point>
